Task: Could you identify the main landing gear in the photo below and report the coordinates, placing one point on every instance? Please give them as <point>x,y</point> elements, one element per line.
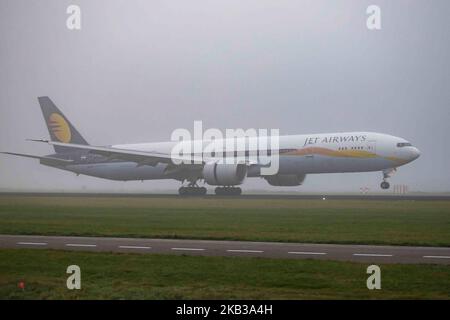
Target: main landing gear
<point>192,190</point>
<point>228,191</point>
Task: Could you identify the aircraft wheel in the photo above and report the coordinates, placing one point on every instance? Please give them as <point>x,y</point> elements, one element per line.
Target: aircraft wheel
<point>192,191</point>
<point>385,185</point>
<point>237,191</point>
<point>228,191</point>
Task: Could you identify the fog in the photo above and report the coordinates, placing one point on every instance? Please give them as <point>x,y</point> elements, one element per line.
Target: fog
<point>137,70</point>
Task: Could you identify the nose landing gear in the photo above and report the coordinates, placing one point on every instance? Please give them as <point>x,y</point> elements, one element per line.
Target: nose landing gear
<point>387,174</point>
<point>385,185</point>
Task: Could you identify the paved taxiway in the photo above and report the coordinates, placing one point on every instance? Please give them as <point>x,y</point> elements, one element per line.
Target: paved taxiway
<point>357,253</point>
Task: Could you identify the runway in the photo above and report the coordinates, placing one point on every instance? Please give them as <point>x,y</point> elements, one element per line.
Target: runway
<point>245,196</point>
<point>356,253</point>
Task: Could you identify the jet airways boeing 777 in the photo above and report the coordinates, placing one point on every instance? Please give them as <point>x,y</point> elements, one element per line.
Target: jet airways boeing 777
<point>298,155</point>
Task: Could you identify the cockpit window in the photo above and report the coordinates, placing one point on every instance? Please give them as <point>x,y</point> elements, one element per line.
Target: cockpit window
<point>404,144</point>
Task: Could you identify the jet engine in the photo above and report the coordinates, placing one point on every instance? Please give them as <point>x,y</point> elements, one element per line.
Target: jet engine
<point>224,174</point>
<point>285,180</point>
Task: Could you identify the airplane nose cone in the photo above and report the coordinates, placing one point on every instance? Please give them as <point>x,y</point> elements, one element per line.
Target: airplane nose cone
<point>415,153</point>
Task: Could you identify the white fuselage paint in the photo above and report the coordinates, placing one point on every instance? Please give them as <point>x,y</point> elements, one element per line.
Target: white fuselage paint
<point>314,153</point>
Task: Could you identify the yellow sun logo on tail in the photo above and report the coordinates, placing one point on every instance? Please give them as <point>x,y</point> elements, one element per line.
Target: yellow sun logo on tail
<point>59,127</point>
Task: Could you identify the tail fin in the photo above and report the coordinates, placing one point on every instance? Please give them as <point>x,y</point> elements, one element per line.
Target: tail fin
<point>59,127</point>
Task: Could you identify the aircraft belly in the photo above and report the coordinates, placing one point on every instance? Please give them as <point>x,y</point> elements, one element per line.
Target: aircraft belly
<point>120,171</point>
<point>294,164</point>
<point>287,165</point>
<point>326,164</point>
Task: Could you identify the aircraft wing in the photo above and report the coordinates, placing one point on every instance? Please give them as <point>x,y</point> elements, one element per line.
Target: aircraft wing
<point>140,157</point>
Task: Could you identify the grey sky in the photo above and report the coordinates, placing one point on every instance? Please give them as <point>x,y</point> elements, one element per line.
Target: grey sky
<point>139,69</point>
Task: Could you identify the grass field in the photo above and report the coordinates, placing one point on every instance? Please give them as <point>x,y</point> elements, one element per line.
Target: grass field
<point>134,276</point>
<point>331,221</point>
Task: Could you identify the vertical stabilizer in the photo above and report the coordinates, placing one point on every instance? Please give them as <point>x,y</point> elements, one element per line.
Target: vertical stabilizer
<point>59,127</point>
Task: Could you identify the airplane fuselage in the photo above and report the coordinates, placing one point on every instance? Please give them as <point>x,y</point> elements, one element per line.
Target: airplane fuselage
<point>298,155</point>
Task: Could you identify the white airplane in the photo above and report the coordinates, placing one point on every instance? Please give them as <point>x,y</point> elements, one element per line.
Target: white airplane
<point>298,155</point>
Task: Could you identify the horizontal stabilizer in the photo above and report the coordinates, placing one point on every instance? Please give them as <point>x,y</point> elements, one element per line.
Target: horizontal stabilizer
<point>22,155</point>
<point>45,158</point>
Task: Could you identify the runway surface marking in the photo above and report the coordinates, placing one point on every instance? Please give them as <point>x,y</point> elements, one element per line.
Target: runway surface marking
<point>372,255</point>
<point>32,243</point>
<point>134,247</point>
<point>343,252</point>
<point>313,253</point>
<point>80,245</point>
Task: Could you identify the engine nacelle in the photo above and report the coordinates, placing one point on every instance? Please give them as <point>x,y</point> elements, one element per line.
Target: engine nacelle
<point>285,180</point>
<point>224,174</point>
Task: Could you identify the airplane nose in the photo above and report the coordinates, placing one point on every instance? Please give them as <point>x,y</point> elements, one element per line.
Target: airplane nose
<point>415,153</point>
